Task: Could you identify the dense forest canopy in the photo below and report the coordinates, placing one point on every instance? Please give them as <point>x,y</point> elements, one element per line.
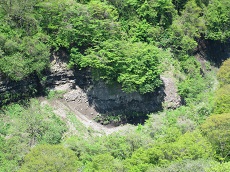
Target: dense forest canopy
<point>30,29</point>
<point>132,43</point>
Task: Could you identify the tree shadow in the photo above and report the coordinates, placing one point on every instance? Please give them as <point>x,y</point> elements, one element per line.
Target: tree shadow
<point>214,51</point>
<point>111,101</point>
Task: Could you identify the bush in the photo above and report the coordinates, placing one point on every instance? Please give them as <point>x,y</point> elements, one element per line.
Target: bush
<point>189,146</point>
<point>134,65</point>
<point>217,129</point>
<point>50,158</point>
<point>199,165</point>
<point>223,75</point>
<point>25,127</point>
<point>104,163</point>
<point>222,100</point>
<point>222,167</point>
<point>217,20</point>
<point>23,58</point>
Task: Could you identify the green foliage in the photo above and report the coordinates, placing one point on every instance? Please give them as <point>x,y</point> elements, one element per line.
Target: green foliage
<point>222,100</point>
<point>128,42</point>
<point>179,4</point>
<point>119,146</point>
<point>90,29</point>
<point>134,65</point>
<point>191,87</point>
<point>219,167</point>
<point>189,146</point>
<point>70,23</point>
<point>23,57</point>
<point>223,75</point>
<point>141,30</point>
<point>6,164</point>
<point>126,9</point>
<point>83,148</point>
<point>159,12</point>
<point>185,28</point>
<point>103,163</point>
<point>199,165</point>
<point>195,86</point>
<point>55,94</point>
<point>217,128</point>
<point>50,158</point>
<point>217,18</point>
<point>40,124</point>
<point>20,14</point>
<point>25,127</point>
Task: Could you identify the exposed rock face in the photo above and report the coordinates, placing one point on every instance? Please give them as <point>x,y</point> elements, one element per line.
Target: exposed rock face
<point>111,98</point>
<point>172,99</point>
<point>14,91</point>
<point>80,86</point>
<point>60,77</point>
<point>213,51</point>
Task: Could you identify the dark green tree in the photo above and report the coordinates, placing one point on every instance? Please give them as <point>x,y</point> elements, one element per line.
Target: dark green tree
<point>186,28</point>
<point>134,65</point>
<point>217,18</point>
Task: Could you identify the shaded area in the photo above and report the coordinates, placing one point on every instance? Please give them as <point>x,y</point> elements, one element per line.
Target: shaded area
<point>12,91</point>
<point>214,51</point>
<point>34,85</point>
<point>114,105</point>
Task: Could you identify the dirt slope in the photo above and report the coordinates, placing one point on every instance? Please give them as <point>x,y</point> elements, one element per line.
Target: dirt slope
<point>62,108</point>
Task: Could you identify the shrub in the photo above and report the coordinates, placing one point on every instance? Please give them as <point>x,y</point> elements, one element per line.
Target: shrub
<point>189,146</point>
<point>134,65</point>
<point>217,129</point>
<point>104,163</point>
<point>222,167</point>
<point>222,100</point>
<point>223,75</point>
<point>50,158</point>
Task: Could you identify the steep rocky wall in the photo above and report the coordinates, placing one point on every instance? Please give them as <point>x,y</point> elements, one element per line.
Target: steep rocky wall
<point>213,51</point>
<point>14,91</point>
<point>58,77</point>
<point>104,98</point>
<point>111,98</point>
<point>108,98</point>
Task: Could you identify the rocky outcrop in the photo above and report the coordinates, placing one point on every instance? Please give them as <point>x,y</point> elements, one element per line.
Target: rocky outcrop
<point>108,98</point>
<point>104,98</point>
<point>59,77</point>
<point>16,90</point>
<point>111,99</point>
<point>213,51</point>
<point>172,99</point>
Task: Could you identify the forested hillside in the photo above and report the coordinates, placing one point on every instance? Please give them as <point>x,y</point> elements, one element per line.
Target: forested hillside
<point>129,43</point>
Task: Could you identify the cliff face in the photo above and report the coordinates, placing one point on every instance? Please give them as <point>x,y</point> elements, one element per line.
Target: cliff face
<point>104,98</point>
<point>213,51</point>
<point>16,90</point>
<point>57,77</point>
<point>111,98</point>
